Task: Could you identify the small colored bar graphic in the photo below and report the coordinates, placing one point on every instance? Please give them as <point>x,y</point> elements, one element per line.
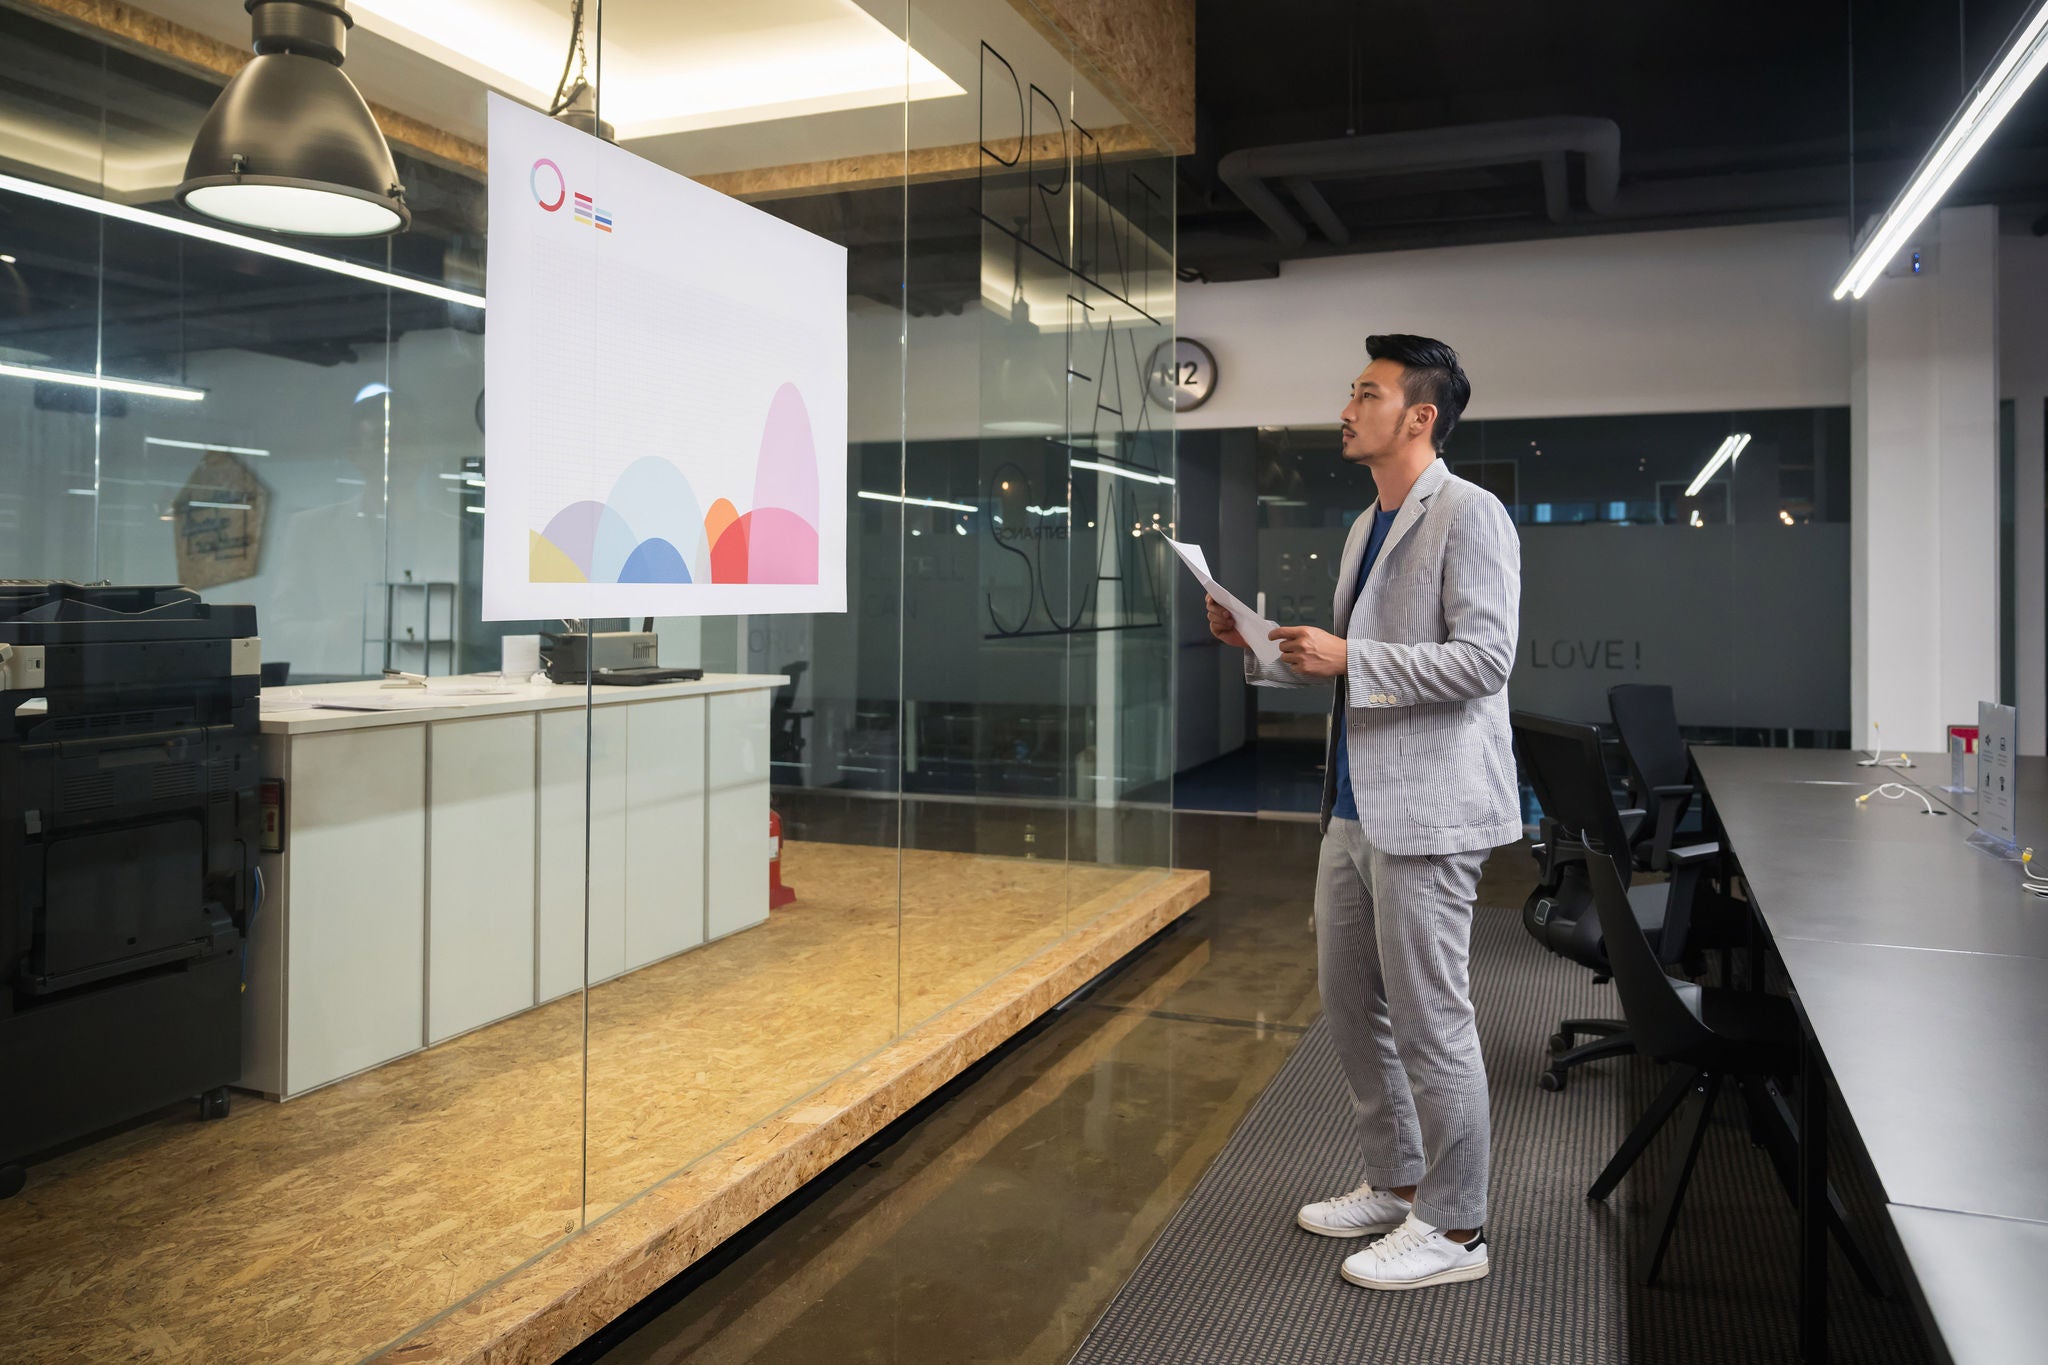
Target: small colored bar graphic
<point>604,221</point>
<point>583,208</point>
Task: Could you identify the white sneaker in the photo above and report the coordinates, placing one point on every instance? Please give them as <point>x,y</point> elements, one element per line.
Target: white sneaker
<point>1414,1255</point>
<point>1360,1213</point>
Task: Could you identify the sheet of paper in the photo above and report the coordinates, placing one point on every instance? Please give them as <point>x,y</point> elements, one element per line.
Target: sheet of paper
<point>1254,628</point>
<point>413,700</point>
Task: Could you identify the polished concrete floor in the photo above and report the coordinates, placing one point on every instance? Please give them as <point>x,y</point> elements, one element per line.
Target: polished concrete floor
<point>999,1224</point>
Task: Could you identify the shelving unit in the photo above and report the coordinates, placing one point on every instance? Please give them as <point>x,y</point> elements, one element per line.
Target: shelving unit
<point>415,625</point>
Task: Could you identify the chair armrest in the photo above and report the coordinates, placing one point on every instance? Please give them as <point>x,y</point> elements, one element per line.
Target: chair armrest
<point>1693,855</point>
<point>1672,803</point>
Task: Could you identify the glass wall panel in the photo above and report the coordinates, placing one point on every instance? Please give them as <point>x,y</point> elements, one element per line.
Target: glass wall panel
<point>700,1031</point>
<point>1038,664</point>
<point>513,957</point>
<point>1639,565</point>
<point>406,1125</point>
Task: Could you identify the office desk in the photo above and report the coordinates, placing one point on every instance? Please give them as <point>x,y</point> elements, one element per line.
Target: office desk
<point>1977,1277</point>
<point>1921,972</point>
<point>433,876</point>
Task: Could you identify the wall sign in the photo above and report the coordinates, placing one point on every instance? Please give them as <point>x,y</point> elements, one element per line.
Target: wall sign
<point>217,518</point>
<point>1181,374</point>
<point>1997,745</point>
<point>665,417</point>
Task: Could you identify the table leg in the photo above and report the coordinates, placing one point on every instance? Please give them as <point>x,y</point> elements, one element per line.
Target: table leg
<point>1813,1203</point>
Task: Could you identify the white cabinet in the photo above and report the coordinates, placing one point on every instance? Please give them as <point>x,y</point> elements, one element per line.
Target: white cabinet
<point>564,748</point>
<point>480,872</point>
<point>352,904</point>
<point>736,818</point>
<point>433,875</point>
<point>664,828</point>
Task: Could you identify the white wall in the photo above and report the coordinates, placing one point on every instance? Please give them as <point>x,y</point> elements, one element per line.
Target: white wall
<point>1924,470</point>
<point>2023,377</point>
<point>1704,319</point>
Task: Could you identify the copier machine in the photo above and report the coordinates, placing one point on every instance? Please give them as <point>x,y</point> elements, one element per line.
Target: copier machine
<point>129,825</point>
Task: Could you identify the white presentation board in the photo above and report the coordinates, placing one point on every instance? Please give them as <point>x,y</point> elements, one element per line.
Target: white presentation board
<point>665,391</point>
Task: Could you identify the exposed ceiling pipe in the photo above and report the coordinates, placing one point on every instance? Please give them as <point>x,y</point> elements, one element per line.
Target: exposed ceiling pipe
<point>1318,210</point>
<point>1544,141</point>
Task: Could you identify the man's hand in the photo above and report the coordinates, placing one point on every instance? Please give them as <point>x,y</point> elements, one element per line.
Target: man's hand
<point>1221,626</point>
<point>1310,652</point>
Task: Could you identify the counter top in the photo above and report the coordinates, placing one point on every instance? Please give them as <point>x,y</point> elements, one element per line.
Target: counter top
<point>300,711</point>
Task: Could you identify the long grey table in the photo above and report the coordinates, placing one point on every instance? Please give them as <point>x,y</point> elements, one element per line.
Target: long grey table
<point>1921,973</point>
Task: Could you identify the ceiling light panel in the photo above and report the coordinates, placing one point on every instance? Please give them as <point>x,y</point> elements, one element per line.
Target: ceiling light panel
<point>669,68</point>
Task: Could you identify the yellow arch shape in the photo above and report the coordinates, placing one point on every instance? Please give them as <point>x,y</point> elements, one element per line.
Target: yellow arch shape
<point>546,563</point>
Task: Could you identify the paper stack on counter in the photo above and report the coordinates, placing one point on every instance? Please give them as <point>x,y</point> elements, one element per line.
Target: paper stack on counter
<point>1253,627</point>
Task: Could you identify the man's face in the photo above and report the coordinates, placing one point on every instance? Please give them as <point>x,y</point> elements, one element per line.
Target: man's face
<point>1378,418</point>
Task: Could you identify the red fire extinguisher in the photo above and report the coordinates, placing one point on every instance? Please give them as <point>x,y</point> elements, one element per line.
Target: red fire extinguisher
<point>778,894</point>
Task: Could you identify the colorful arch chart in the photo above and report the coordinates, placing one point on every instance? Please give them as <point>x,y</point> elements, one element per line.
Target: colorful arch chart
<point>665,411</point>
<point>653,527</point>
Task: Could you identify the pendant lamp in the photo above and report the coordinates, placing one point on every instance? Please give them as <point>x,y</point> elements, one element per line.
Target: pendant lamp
<point>290,146</point>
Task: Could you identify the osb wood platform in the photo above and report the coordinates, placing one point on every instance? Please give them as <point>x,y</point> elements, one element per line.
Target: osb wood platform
<point>331,1227</point>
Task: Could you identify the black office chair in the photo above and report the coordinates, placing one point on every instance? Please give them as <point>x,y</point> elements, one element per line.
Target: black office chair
<point>1660,769</point>
<point>1709,1034</point>
<point>786,737</point>
<point>1560,915</point>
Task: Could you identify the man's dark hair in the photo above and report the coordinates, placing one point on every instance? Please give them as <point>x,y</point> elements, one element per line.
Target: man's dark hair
<point>1433,375</point>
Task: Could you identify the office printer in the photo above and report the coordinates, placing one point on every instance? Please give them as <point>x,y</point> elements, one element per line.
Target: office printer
<point>129,822</point>
<point>612,658</point>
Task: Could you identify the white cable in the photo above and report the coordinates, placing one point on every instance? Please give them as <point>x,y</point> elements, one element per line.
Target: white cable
<point>1893,791</point>
<point>1878,760</point>
<point>2034,882</point>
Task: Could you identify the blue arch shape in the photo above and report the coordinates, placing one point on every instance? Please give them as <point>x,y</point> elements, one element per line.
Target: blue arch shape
<point>654,561</point>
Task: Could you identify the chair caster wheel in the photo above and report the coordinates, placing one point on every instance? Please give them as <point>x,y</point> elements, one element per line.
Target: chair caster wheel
<point>1560,1042</point>
<point>214,1104</point>
<point>12,1179</point>
<point>1551,1080</point>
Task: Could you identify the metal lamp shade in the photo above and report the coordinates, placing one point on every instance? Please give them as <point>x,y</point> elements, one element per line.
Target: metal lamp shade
<point>291,147</point>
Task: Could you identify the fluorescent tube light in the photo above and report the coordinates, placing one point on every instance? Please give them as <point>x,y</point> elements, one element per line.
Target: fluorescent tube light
<point>202,445</point>
<point>1121,473</point>
<point>1729,449</point>
<point>220,506</point>
<point>919,502</point>
<point>100,381</point>
<point>83,492</point>
<point>204,232</point>
<point>1979,117</point>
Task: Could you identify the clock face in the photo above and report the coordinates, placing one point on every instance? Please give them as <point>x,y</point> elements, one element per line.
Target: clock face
<point>1181,374</point>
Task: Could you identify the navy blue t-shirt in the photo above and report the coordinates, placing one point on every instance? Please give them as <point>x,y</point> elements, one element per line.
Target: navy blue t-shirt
<point>1346,807</point>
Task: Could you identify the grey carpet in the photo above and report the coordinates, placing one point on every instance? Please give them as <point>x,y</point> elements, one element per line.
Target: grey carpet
<point>1232,1281</point>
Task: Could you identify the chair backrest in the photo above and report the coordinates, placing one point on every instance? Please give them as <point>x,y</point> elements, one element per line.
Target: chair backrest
<point>1658,1019</point>
<point>1648,721</point>
<point>1562,761</point>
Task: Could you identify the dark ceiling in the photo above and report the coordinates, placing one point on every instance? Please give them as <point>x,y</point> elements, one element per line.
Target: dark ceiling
<point>1725,113</point>
<point>1731,112</point>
